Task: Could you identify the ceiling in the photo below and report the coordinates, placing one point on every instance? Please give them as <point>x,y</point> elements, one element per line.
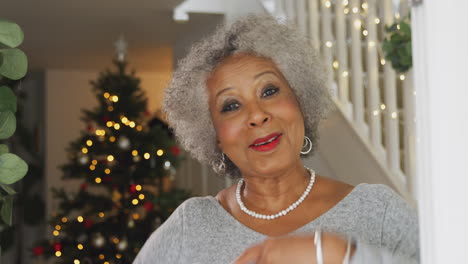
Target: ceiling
<point>80,34</point>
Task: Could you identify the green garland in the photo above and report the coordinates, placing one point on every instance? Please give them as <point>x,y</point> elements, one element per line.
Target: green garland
<point>397,45</point>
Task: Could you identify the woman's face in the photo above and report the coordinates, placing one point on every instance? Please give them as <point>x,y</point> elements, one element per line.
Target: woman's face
<point>256,116</point>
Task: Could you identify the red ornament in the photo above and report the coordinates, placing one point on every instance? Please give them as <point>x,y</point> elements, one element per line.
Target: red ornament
<point>57,246</point>
<point>107,178</point>
<point>175,150</point>
<point>105,118</point>
<point>90,128</point>
<point>148,206</point>
<point>133,189</point>
<point>88,223</point>
<point>38,251</point>
<point>84,186</point>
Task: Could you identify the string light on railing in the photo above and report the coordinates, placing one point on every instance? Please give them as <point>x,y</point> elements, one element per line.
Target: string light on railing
<point>382,106</point>
<point>329,44</point>
<point>327,4</point>
<point>355,10</point>
<point>397,15</point>
<point>402,77</point>
<point>364,5</point>
<point>371,43</point>
<point>382,61</point>
<point>377,20</point>
<point>357,24</point>
<point>394,115</point>
<point>365,32</point>
<point>345,2</point>
<point>345,73</point>
<point>398,26</point>
<point>346,10</point>
<point>375,112</point>
<point>335,64</point>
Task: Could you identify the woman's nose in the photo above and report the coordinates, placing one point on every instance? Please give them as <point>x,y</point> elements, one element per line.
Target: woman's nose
<point>258,117</point>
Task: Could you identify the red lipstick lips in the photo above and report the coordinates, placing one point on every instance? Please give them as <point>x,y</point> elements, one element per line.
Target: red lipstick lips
<point>266,143</point>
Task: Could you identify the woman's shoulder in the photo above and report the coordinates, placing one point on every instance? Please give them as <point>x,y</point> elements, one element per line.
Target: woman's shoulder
<point>199,209</point>
<point>378,192</point>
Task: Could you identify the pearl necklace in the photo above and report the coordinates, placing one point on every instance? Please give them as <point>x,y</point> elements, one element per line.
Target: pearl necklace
<point>285,211</point>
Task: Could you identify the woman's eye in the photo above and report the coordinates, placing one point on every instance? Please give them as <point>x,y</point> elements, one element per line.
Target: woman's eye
<point>230,107</point>
<point>270,90</point>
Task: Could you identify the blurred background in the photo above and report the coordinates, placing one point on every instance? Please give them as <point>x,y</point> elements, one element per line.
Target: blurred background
<point>90,125</point>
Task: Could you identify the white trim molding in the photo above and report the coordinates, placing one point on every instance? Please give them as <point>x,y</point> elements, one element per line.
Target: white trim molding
<point>440,42</point>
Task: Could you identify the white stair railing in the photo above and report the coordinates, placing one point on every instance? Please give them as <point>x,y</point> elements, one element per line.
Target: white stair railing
<point>365,87</point>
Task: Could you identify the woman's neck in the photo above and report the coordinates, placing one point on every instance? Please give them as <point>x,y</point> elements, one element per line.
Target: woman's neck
<point>272,193</point>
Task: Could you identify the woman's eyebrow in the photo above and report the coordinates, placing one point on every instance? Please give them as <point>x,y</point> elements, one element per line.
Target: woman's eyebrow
<point>255,77</point>
<point>222,91</point>
<point>265,72</point>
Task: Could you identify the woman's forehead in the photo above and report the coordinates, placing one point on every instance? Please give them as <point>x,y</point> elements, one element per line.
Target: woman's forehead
<point>245,65</point>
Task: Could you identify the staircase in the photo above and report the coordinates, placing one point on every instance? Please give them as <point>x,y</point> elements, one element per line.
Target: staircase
<point>370,136</point>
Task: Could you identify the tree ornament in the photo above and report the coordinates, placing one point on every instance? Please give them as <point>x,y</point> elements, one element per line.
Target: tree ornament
<point>157,222</point>
<point>175,150</point>
<point>81,238</point>
<point>148,206</point>
<point>124,143</point>
<point>131,223</point>
<point>84,186</point>
<point>116,196</point>
<point>98,240</point>
<point>90,128</point>
<point>167,184</point>
<point>83,159</point>
<point>123,244</point>
<point>57,246</point>
<point>88,223</point>
<point>38,251</point>
<point>133,188</point>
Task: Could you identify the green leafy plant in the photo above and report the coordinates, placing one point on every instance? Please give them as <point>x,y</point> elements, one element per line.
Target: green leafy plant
<point>13,66</point>
<point>397,45</point>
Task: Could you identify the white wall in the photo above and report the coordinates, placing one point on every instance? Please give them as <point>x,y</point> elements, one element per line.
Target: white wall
<point>440,42</point>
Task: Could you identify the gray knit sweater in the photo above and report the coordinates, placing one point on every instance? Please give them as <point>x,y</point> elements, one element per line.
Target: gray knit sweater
<point>383,225</point>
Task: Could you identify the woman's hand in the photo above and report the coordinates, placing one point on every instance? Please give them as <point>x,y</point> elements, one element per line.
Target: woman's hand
<point>296,249</point>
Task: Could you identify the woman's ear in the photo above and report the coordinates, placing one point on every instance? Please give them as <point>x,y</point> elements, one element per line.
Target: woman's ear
<point>218,144</point>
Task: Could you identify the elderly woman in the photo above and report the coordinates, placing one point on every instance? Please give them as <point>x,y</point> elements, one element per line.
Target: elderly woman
<point>248,101</point>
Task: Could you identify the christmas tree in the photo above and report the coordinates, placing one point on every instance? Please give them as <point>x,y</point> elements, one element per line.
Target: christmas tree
<point>127,170</point>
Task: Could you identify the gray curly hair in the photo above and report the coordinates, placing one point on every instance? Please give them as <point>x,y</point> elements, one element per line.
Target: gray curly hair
<point>186,98</point>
